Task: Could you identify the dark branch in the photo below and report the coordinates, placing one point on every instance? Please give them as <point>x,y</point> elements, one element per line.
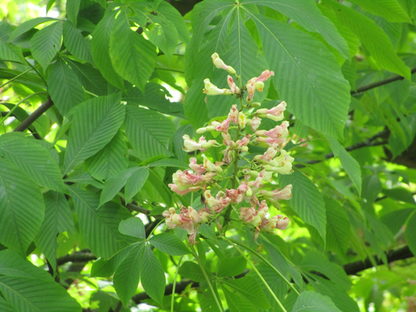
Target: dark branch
<point>367,143</point>
<point>76,257</point>
<point>134,207</point>
<point>350,268</point>
<point>35,115</point>
<point>379,83</point>
<point>393,255</point>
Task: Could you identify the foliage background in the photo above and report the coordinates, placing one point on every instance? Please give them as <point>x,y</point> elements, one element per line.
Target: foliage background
<point>103,92</point>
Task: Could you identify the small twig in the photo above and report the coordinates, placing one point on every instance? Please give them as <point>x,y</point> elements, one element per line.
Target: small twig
<point>35,115</point>
<point>134,207</point>
<point>379,83</point>
<point>367,143</point>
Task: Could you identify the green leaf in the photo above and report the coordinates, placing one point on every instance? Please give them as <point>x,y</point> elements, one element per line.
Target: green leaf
<point>95,123</point>
<point>75,42</point>
<point>58,218</point>
<point>132,227</point>
<point>64,86</point>
<point>149,132</point>
<point>25,287</point>
<point>135,176</point>
<point>152,275</point>
<point>21,208</point>
<point>372,38</point>
<point>192,271</point>
<point>311,83</point>
<point>307,201</point>
<point>411,233</point>
<point>169,243</point>
<point>9,52</point>
<point>46,43</point>
<point>100,49</point>
<point>231,265</point>
<point>110,160</point>
<point>127,275</point>
<point>28,25</point>
<point>99,227</point>
<point>391,10</point>
<point>351,166</point>
<point>33,158</point>
<point>72,8</point>
<point>136,60</point>
<point>309,301</point>
<point>135,183</point>
<point>249,288</point>
<point>307,14</point>
<point>338,232</point>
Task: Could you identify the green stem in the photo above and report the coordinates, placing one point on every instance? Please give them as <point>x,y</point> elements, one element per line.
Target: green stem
<point>214,294</point>
<point>172,299</point>
<point>15,77</point>
<point>265,261</point>
<point>279,303</point>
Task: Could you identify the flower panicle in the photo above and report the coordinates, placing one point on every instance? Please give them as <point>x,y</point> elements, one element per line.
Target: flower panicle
<point>253,186</point>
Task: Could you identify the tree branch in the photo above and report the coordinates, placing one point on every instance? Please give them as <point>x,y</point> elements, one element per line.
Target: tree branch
<point>379,83</point>
<point>76,257</point>
<point>350,268</point>
<point>35,115</point>
<point>393,255</point>
<point>367,143</point>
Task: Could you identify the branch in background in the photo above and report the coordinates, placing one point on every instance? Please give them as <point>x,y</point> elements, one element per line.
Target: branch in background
<point>379,83</point>
<point>393,255</point>
<point>35,115</point>
<point>350,268</point>
<point>184,6</point>
<point>82,256</point>
<point>134,207</point>
<point>367,143</point>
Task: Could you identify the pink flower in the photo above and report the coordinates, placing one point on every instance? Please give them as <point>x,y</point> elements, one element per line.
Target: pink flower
<point>284,193</point>
<point>268,155</point>
<point>172,218</point>
<point>211,89</point>
<point>186,181</point>
<point>281,164</point>
<point>278,135</point>
<point>219,63</point>
<point>255,123</point>
<point>217,203</point>
<point>202,144</point>
<point>231,84</point>
<point>275,113</point>
<point>249,215</point>
<point>265,75</point>
<point>282,222</point>
<point>197,168</point>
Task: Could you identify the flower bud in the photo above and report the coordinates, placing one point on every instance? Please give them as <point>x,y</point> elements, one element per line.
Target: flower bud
<point>242,120</point>
<point>219,63</point>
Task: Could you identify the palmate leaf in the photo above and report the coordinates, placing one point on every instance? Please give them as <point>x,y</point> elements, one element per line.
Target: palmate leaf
<point>307,201</point>
<point>21,207</point>
<point>28,25</point>
<point>136,60</point>
<point>310,82</point>
<point>46,43</point>
<point>372,38</point>
<point>94,124</point>
<point>32,158</point>
<point>99,227</point>
<point>149,132</point>
<point>411,233</point>
<point>64,87</point>
<point>169,243</point>
<point>307,14</point>
<point>26,288</point>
